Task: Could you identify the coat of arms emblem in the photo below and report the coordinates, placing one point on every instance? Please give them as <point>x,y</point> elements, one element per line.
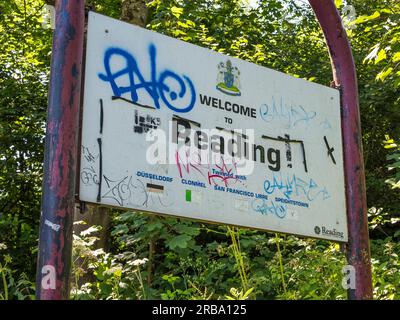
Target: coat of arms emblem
<point>228,79</point>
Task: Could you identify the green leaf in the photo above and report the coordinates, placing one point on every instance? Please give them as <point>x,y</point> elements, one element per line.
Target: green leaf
<point>154,225</point>
<point>384,73</point>
<point>177,12</point>
<point>364,18</point>
<point>247,293</point>
<point>185,229</point>
<point>180,241</point>
<point>381,56</point>
<point>127,216</point>
<point>170,278</point>
<point>183,25</point>
<point>396,57</point>
<point>338,3</point>
<point>120,229</point>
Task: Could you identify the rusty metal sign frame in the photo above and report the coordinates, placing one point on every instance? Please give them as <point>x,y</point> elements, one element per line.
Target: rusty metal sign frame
<point>61,150</point>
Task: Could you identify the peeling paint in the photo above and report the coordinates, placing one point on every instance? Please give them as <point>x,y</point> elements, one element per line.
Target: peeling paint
<point>61,149</point>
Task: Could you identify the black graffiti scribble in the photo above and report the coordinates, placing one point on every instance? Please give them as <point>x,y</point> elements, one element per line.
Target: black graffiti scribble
<point>197,124</point>
<point>100,169</point>
<point>88,155</point>
<point>119,190</point>
<point>99,142</point>
<point>285,140</point>
<point>101,116</point>
<point>89,176</point>
<point>330,150</point>
<point>144,123</point>
<point>154,197</point>
<point>132,102</point>
<point>129,190</point>
<point>233,132</point>
<point>288,150</point>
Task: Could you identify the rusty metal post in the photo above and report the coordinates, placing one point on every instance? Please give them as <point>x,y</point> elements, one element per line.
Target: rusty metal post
<point>55,241</point>
<point>344,76</point>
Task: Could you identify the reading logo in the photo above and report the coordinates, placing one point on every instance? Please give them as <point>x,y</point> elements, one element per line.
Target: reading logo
<point>331,232</point>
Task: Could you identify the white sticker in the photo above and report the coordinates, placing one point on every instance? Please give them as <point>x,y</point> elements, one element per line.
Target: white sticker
<point>196,196</point>
<point>242,205</point>
<point>52,225</point>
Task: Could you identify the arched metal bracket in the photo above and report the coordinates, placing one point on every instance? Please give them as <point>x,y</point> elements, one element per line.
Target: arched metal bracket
<point>344,77</point>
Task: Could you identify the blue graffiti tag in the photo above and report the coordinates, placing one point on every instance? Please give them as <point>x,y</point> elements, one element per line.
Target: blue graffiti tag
<point>268,206</point>
<point>289,115</point>
<point>293,185</point>
<point>156,87</point>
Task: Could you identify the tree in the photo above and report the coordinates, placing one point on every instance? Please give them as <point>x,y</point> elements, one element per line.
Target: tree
<point>24,61</point>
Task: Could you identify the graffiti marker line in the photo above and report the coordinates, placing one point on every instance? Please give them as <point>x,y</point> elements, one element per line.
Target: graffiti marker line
<point>244,136</point>
<point>330,150</point>
<point>304,155</point>
<point>132,102</point>
<point>188,120</point>
<point>303,150</point>
<point>100,169</point>
<point>288,150</point>
<point>101,116</point>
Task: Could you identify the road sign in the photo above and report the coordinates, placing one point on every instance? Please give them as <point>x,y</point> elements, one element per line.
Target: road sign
<point>172,128</point>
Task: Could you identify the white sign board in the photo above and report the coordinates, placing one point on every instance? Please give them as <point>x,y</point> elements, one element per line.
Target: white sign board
<point>172,128</point>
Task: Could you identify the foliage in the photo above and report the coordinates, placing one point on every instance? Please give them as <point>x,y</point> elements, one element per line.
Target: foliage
<point>24,69</point>
<point>239,295</point>
<point>386,52</point>
<point>10,288</point>
<point>312,268</point>
<point>394,158</point>
<point>379,99</point>
<point>385,268</point>
<point>114,276</point>
<point>167,258</point>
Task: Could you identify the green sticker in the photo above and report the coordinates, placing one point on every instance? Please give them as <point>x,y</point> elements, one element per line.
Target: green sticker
<point>188,195</point>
